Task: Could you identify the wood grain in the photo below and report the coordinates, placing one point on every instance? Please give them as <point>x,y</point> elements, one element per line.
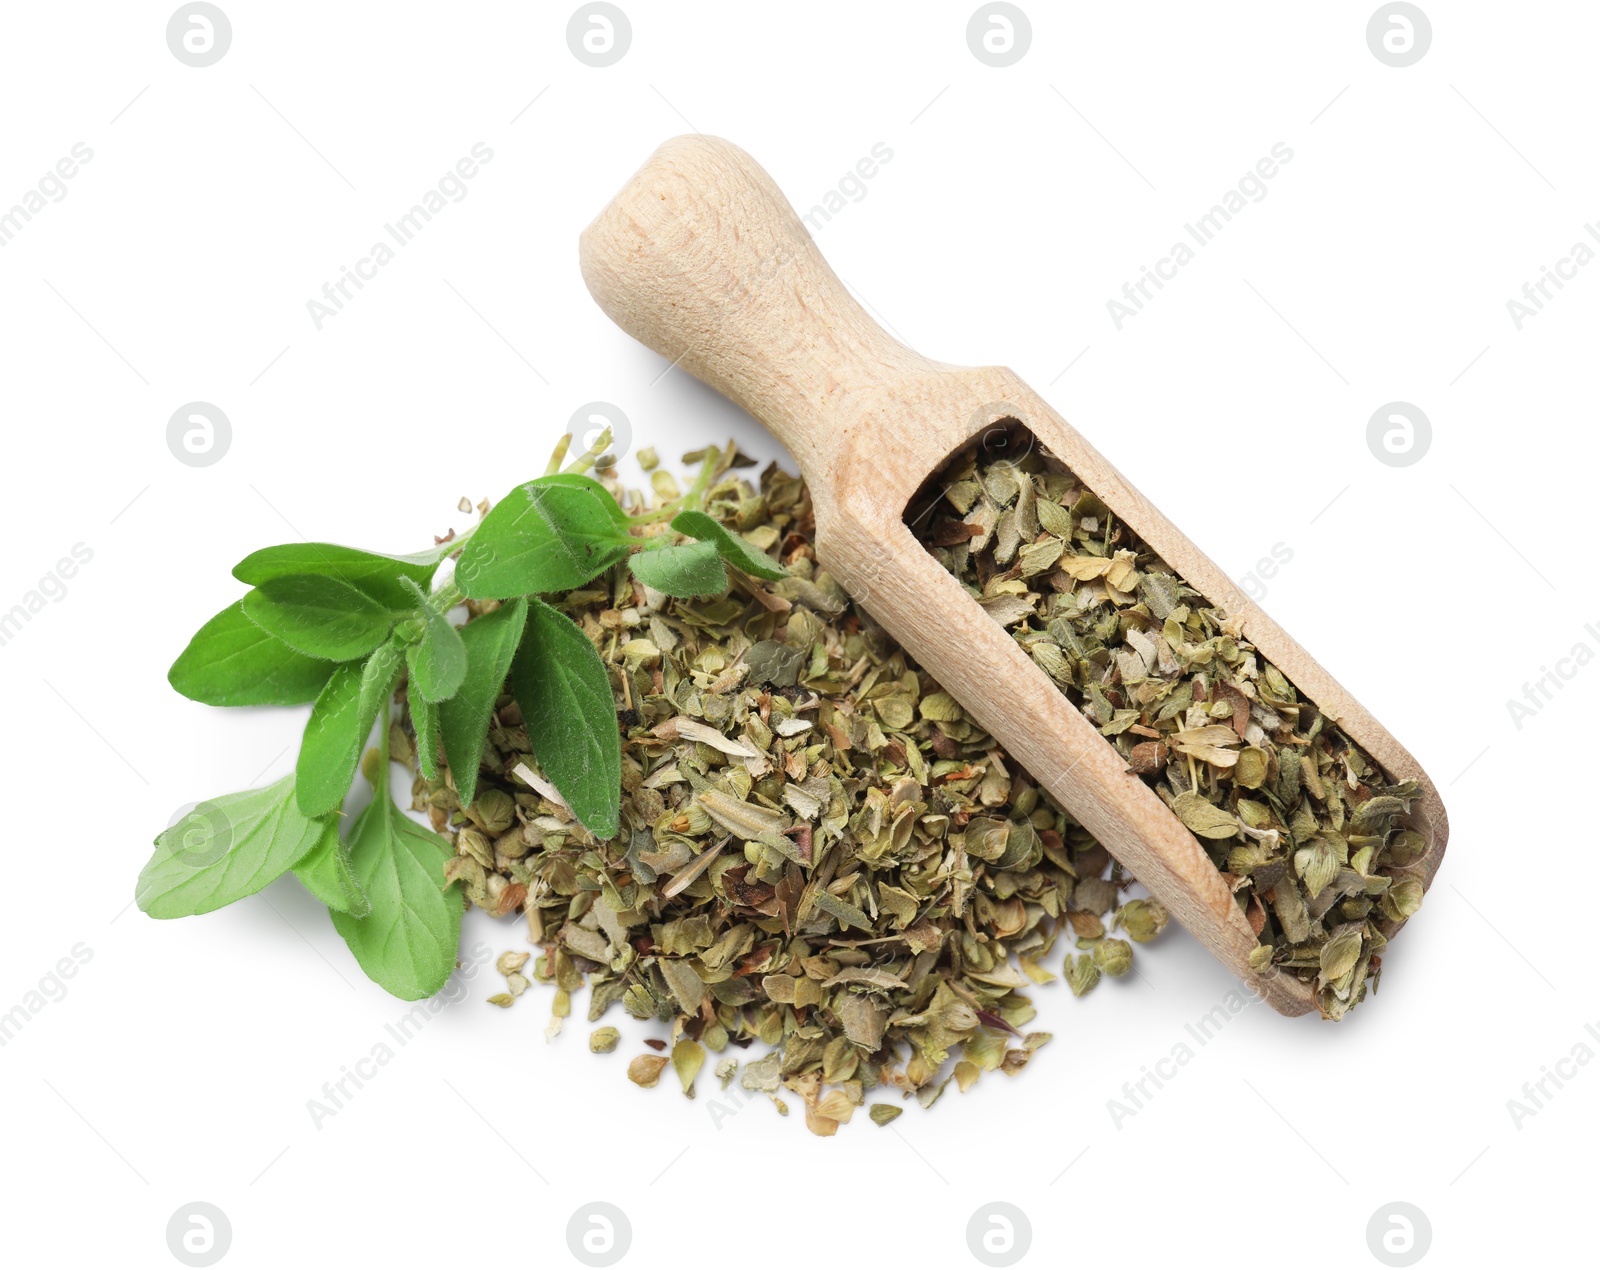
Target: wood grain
<point>703,259</point>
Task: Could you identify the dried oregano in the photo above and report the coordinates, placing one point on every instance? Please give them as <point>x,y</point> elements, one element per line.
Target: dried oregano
<point>818,850</point>
<point>1305,827</point>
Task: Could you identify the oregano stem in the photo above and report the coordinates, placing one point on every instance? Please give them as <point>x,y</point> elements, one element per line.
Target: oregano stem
<point>560,454</point>
<point>687,502</point>
<point>592,455</point>
<point>702,482</point>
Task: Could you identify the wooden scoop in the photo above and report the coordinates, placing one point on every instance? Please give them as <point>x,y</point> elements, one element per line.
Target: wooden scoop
<point>703,259</point>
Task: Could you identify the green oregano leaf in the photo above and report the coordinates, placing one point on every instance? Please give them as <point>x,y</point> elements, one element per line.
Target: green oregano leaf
<point>378,679</point>
<point>326,872</point>
<point>571,715</point>
<point>330,746</point>
<point>464,719</point>
<point>225,849</point>
<point>693,569</point>
<point>406,943</point>
<point>233,662</point>
<point>735,550</point>
<point>425,722</point>
<point>341,720</point>
<point>319,616</point>
<point>438,661</point>
<point>551,534</point>
<point>375,573</point>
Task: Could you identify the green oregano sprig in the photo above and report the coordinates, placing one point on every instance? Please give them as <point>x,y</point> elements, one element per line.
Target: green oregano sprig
<point>341,628</point>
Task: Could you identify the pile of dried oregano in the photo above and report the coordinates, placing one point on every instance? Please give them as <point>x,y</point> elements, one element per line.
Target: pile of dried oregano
<point>819,850</point>
<point>1305,827</point>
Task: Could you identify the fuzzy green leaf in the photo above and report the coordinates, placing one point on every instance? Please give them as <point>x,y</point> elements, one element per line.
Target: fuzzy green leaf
<point>565,694</point>
<point>341,720</point>
<point>326,873</point>
<point>319,616</point>
<point>373,572</point>
<point>425,722</point>
<point>735,550</point>
<point>438,661</point>
<point>233,662</point>
<point>406,943</point>
<point>693,569</point>
<point>551,534</point>
<point>464,719</point>
<point>225,849</point>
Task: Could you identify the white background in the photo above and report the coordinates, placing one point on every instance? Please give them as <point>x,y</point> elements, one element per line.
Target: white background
<point>1018,201</point>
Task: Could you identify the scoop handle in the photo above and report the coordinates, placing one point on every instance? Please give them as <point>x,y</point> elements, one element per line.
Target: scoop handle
<point>703,259</point>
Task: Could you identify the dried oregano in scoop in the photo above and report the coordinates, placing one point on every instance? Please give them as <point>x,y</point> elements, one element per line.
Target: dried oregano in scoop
<point>819,850</point>
<point>1303,825</point>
